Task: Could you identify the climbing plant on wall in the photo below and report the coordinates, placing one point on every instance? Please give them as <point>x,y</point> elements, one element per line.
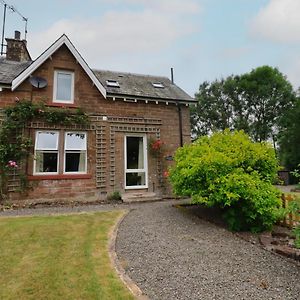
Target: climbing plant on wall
<point>15,141</point>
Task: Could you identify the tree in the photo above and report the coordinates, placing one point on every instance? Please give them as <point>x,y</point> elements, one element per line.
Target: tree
<point>229,171</point>
<point>253,102</point>
<point>289,138</point>
<point>215,108</point>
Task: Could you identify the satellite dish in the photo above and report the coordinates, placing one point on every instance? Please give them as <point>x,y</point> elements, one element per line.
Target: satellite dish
<point>38,82</point>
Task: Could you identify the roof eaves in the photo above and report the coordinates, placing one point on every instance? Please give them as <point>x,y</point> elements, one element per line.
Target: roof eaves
<point>159,99</point>
<point>47,53</point>
<point>5,85</point>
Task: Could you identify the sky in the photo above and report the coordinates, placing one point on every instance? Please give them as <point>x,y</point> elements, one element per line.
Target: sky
<point>202,40</point>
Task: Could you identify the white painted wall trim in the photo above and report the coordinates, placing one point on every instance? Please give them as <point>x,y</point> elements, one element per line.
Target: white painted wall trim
<point>63,40</point>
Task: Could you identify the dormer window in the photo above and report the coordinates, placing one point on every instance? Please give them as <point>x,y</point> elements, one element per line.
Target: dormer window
<point>112,83</point>
<point>63,87</point>
<point>158,85</point>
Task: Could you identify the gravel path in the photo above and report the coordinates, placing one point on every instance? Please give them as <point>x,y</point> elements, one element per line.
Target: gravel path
<point>173,255</point>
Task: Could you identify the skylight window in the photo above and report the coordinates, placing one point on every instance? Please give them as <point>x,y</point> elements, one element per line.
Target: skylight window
<point>158,85</point>
<point>112,83</point>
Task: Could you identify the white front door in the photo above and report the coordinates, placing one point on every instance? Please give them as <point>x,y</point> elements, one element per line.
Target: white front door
<point>136,165</point>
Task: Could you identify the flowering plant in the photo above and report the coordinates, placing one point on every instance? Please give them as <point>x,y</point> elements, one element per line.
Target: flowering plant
<point>15,139</point>
<point>12,164</point>
<point>156,147</point>
<point>166,174</point>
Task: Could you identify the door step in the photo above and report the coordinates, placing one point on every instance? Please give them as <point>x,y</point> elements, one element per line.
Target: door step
<point>139,197</point>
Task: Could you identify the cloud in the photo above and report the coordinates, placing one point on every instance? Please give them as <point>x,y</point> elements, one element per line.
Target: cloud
<point>278,21</point>
<point>122,32</point>
<point>291,67</point>
<point>234,52</point>
<point>166,6</point>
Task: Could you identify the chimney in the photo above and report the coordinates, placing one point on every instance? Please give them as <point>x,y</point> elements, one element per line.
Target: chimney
<point>172,75</point>
<point>16,49</point>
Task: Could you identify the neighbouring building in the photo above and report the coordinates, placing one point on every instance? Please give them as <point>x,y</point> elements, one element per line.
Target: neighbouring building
<point>127,112</point>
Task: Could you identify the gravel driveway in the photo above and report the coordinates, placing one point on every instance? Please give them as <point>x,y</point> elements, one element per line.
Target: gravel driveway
<point>173,255</point>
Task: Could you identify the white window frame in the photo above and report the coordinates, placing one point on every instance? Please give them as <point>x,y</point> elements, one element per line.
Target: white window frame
<point>46,150</point>
<point>112,83</point>
<point>144,170</point>
<point>55,100</point>
<point>158,85</point>
<point>75,151</point>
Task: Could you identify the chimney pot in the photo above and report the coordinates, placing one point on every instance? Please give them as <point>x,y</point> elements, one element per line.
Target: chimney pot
<point>17,35</point>
<point>172,75</point>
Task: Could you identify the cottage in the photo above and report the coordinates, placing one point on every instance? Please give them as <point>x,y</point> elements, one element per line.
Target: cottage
<point>132,118</point>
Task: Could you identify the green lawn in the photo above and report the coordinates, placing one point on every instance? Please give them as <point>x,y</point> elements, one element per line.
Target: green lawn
<point>58,257</point>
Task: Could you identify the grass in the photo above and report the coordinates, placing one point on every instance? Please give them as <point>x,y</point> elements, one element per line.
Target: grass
<point>58,257</point>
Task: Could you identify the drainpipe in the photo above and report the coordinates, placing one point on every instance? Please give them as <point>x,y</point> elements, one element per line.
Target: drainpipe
<point>180,124</point>
<point>179,113</point>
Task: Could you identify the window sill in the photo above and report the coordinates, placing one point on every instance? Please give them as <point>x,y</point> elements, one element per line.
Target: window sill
<point>62,105</point>
<point>60,176</point>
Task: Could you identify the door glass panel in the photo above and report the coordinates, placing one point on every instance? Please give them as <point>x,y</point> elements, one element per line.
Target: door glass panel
<point>135,153</point>
<point>135,179</point>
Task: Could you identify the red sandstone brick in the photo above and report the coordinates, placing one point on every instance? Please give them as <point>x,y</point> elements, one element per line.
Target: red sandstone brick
<point>89,98</point>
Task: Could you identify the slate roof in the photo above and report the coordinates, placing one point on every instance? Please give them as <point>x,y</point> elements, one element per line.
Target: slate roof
<point>130,85</point>
<point>9,70</point>
<point>136,85</point>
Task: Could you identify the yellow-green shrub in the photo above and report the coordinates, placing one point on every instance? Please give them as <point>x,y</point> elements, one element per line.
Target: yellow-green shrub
<point>230,171</point>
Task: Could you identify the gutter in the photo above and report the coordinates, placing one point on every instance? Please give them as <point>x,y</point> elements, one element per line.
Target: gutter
<point>4,86</point>
<point>134,98</point>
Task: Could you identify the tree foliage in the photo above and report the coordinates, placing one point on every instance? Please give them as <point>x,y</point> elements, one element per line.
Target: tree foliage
<point>289,138</point>
<point>253,102</point>
<point>294,207</point>
<point>229,171</point>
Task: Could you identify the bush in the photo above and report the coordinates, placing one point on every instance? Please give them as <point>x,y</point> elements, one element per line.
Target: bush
<point>296,174</point>
<point>294,207</point>
<point>229,171</point>
<point>114,196</point>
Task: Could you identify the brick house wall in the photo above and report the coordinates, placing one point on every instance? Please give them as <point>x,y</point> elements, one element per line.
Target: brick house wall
<point>110,122</point>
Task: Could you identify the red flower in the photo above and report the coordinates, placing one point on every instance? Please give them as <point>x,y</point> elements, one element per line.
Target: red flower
<point>157,145</point>
<point>166,174</point>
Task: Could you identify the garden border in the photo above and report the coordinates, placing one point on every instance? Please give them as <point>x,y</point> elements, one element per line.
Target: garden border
<point>132,287</point>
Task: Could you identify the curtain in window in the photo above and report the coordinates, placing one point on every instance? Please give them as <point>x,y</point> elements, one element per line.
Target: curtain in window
<point>75,152</point>
<point>64,86</point>
<point>39,162</point>
<point>46,152</point>
<point>82,161</point>
<point>141,154</point>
